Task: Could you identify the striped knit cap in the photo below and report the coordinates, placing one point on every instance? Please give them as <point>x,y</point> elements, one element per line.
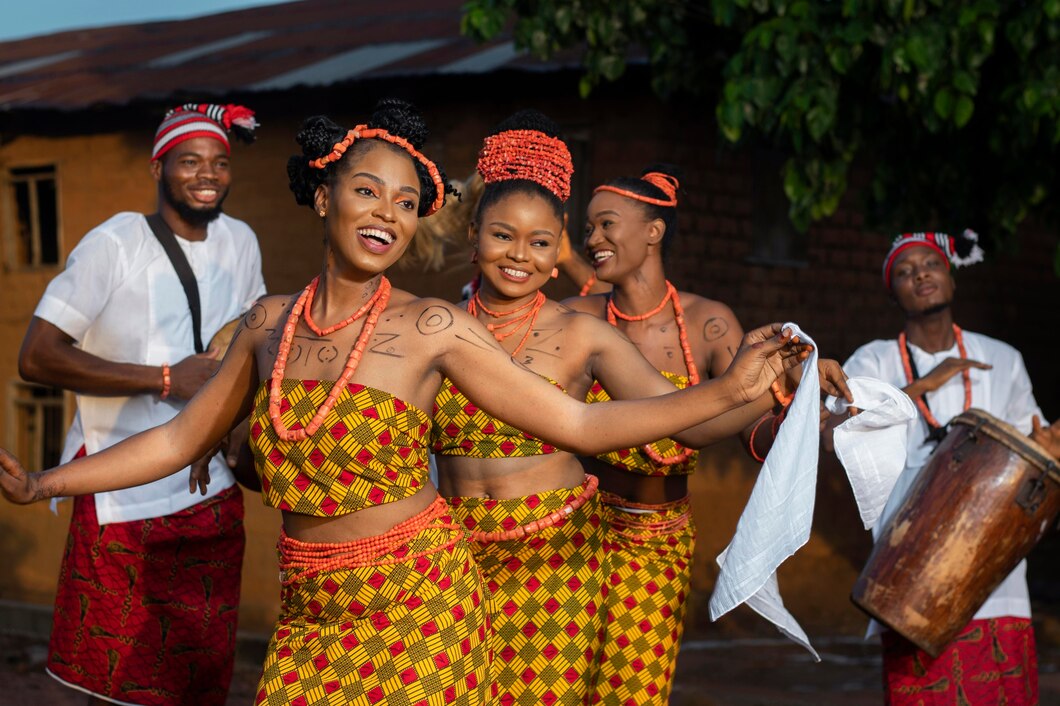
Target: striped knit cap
<point>193,120</point>
<point>957,251</point>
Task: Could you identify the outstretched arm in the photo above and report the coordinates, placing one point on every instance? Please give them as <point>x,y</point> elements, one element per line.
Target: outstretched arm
<point>619,366</point>
<point>155,453</point>
<point>488,376</point>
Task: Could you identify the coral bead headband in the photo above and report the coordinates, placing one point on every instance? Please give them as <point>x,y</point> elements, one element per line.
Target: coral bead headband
<point>527,154</point>
<point>663,182</point>
<point>363,132</point>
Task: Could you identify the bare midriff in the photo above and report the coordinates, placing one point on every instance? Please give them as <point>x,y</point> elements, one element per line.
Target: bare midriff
<point>647,490</point>
<point>506,478</point>
<point>369,522</point>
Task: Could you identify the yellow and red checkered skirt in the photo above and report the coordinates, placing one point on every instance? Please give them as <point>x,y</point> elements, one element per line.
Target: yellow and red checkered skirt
<point>647,562</point>
<point>991,661</point>
<point>146,610</point>
<point>407,625</point>
<point>545,589</point>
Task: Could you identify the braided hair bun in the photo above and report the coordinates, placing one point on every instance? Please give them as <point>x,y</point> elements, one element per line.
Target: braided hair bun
<point>318,137</point>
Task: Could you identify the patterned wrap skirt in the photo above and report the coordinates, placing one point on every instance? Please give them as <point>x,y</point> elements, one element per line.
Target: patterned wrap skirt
<point>546,595</point>
<point>647,563</point>
<point>146,610</point>
<point>991,661</point>
<point>399,619</point>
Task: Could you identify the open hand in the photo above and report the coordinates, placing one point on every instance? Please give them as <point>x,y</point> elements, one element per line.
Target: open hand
<point>947,369</point>
<point>764,354</point>
<point>17,485</point>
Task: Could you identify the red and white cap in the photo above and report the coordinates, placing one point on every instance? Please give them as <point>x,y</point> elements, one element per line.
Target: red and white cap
<point>193,120</point>
<point>957,251</point>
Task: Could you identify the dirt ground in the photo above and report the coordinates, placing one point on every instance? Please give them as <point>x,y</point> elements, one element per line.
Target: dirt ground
<point>750,672</point>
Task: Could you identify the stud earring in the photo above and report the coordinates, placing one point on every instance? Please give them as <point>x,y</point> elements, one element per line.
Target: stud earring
<point>555,272</point>
<point>323,213</point>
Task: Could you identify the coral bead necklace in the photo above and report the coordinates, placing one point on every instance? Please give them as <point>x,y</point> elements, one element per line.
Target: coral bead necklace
<point>373,308</point>
<point>513,325</point>
<point>937,431</point>
<point>671,296</point>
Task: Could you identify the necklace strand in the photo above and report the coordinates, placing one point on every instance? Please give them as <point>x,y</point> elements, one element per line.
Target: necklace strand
<point>921,403</point>
<point>515,324</point>
<point>311,294</point>
<point>614,313</point>
<point>379,302</point>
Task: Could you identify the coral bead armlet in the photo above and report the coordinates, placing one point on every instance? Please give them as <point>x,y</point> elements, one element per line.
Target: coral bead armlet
<point>377,304</point>
<point>167,381</point>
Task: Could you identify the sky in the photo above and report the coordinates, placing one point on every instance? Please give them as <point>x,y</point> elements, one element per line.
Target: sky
<point>28,18</point>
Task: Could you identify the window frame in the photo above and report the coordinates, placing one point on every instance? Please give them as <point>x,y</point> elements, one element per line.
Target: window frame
<point>10,218</point>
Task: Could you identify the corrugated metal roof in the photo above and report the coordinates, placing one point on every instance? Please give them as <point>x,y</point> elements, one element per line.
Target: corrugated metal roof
<point>276,47</point>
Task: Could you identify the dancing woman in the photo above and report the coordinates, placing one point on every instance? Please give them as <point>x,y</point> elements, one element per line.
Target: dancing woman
<point>651,537</point>
<point>380,596</point>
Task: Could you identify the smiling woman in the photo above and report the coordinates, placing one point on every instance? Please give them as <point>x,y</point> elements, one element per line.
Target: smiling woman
<point>380,597</point>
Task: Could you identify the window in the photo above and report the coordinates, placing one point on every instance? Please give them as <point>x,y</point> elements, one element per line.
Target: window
<point>775,240</point>
<point>36,424</point>
<point>32,227</point>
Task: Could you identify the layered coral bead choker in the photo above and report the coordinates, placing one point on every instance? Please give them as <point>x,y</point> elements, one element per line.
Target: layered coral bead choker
<point>374,307</point>
<point>614,313</point>
<point>512,326</point>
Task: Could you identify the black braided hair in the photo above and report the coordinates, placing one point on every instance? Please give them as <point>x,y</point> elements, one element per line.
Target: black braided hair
<point>319,135</point>
<point>523,120</point>
<point>667,214</point>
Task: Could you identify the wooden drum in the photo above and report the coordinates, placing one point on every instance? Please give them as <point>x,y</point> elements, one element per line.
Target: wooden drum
<point>984,499</point>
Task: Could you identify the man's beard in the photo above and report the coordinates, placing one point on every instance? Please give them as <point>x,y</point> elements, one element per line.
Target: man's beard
<point>931,310</point>
<point>195,217</point>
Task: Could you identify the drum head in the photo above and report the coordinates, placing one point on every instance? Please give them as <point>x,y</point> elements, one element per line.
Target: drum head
<point>1011,437</point>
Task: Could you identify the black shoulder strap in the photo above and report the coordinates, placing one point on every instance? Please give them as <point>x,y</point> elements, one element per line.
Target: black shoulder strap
<point>187,278</point>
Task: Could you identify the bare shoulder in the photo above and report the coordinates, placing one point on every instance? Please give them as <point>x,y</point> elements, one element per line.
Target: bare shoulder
<point>583,324</point>
<point>428,315</point>
<point>269,313</point>
<point>594,304</point>
<point>714,318</point>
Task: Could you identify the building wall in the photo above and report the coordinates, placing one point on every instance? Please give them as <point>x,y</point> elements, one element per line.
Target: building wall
<point>836,296</point>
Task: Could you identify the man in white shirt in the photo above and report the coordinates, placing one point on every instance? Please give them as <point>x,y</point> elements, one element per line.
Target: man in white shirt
<point>145,611</point>
<point>945,371</point>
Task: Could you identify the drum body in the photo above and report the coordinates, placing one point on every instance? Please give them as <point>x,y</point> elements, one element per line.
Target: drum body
<point>984,499</point>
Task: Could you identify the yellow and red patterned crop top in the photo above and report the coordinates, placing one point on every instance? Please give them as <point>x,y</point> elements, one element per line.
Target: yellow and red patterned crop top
<point>635,460</point>
<point>462,429</point>
<point>370,450</point>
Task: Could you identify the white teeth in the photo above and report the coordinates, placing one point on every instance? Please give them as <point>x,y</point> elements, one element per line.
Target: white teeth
<point>600,255</point>
<point>376,234</point>
<point>515,273</point>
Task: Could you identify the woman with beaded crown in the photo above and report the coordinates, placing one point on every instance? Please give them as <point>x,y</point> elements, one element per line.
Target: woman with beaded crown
<point>630,224</point>
<point>532,511</point>
<point>380,597</point>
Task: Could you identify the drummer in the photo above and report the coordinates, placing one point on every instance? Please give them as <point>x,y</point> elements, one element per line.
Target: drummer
<point>116,327</point>
<point>946,370</point>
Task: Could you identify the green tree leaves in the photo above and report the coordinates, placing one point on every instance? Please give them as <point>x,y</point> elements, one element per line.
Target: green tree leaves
<point>954,107</point>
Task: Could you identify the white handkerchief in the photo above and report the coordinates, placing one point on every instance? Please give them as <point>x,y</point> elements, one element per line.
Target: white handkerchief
<point>872,445</point>
<point>776,521</point>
